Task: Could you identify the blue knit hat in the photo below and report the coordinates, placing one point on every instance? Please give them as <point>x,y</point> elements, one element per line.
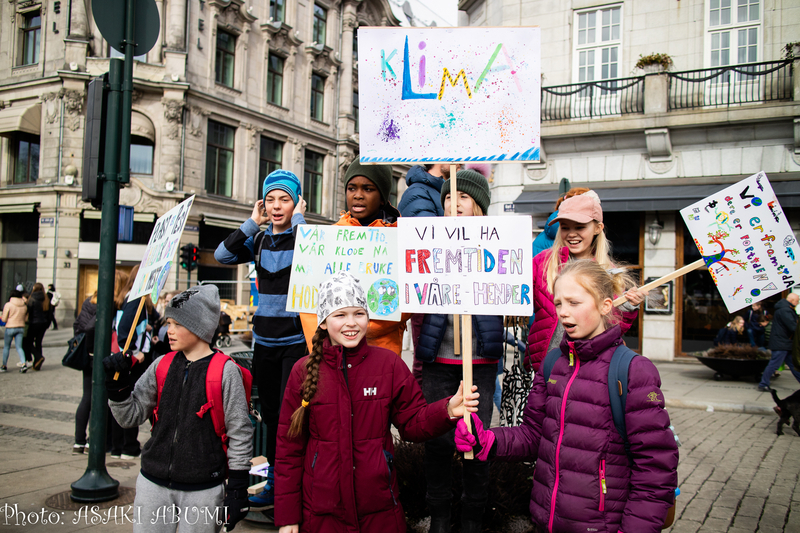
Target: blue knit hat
<point>283,180</point>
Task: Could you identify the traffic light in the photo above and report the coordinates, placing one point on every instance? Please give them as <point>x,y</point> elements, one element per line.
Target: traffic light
<point>189,257</point>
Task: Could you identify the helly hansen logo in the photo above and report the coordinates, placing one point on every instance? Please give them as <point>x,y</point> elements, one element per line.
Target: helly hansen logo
<point>370,391</point>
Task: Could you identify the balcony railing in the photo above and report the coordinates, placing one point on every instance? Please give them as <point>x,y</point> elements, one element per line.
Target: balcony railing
<point>704,88</point>
<point>731,85</point>
<point>593,99</point>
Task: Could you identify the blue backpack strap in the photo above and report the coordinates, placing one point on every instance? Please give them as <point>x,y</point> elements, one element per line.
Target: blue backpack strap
<point>618,390</point>
<point>549,362</point>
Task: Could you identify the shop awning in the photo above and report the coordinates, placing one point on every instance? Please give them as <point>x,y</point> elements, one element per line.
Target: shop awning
<point>662,198</point>
<point>21,118</point>
<point>221,221</point>
<point>142,126</point>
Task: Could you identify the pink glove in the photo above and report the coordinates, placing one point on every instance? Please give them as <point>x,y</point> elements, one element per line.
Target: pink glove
<point>465,441</point>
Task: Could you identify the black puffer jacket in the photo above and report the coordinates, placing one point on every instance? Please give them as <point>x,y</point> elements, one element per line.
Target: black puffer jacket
<point>36,312</point>
<point>783,324</point>
<point>85,323</point>
<point>487,329</point>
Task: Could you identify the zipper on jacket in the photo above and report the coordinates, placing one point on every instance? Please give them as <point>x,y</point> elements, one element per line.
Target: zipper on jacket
<point>180,403</point>
<point>602,485</point>
<point>561,434</point>
<point>314,462</point>
<point>389,470</point>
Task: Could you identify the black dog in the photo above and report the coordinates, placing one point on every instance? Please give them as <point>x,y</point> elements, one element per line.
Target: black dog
<point>787,408</point>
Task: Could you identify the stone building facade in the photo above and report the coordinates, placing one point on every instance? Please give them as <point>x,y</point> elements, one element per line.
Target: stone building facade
<point>651,143</point>
<point>232,90</point>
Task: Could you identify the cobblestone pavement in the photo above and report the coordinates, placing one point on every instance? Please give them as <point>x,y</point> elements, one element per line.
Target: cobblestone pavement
<point>735,474</point>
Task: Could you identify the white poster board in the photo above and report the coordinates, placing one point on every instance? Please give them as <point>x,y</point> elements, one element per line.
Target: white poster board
<point>449,94</point>
<point>746,242</point>
<point>157,259</point>
<point>466,265</point>
<point>369,253</point>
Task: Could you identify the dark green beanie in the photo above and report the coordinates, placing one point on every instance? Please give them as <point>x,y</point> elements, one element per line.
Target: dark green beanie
<point>380,175</point>
<point>474,184</point>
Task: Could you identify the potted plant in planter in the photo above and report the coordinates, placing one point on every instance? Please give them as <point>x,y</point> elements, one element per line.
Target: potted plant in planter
<point>736,360</point>
<point>653,63</point>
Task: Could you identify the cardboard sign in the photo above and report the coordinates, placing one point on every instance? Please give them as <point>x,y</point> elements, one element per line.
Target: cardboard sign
<point>466,265</point>
<point>370,254</point>
<point>449,94</point>
<point>157,259</point>
<point>746,242</point>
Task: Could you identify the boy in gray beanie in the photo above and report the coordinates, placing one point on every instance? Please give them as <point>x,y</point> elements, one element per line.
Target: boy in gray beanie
<point>184,462</point>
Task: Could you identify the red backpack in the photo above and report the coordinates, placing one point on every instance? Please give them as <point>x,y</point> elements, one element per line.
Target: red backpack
<point>214,405</point>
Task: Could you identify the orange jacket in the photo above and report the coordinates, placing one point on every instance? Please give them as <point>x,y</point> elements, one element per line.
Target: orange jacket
<point>382,333</point>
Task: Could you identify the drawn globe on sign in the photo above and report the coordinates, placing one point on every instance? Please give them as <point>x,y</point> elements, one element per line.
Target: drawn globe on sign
<point>383,298</point>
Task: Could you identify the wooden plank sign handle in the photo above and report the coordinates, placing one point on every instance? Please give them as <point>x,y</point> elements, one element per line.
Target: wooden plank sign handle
<point>466,365</point>
<point>454,213</point>
<point>130,333</point>
<point>647,287</point>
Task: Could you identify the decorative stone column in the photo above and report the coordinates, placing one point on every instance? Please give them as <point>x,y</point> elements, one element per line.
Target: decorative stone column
<point>175,51</point>
<point>349,25</point>
<point>77,41</point>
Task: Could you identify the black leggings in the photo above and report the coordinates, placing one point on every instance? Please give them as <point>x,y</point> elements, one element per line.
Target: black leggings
<point>33,340</point>
<point>84,408</point>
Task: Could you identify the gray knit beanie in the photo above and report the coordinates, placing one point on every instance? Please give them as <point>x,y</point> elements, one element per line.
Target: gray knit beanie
<point>341,290</point>
<point>196,309</point>
<point>473,183</point>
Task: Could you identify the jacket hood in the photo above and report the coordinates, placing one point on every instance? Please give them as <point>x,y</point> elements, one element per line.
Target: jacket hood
<point>16,301</point>
<point>783,304</point>
<point>38,296</point>
<point>418,174</point>
<point>551,231</point>
<point>587,349</point>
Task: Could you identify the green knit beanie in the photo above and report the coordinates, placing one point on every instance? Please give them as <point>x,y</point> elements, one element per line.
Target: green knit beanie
<point>380,175</point>
<point>474,184</point>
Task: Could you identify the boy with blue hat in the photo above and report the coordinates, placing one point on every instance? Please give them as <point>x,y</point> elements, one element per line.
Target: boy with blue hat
<point>279,340</point>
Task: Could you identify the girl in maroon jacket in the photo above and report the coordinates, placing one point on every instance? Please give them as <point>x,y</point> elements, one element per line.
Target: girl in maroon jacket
<point>334,470</point>
<point>584,480</point>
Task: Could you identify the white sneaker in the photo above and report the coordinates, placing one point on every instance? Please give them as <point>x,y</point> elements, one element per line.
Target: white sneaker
<point>20,363</point>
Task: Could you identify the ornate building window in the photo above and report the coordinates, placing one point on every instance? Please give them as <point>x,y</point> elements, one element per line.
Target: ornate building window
<point>31,34</point>
<point>219,159</point>
<point>317,97</point>
<point>320,22</point>
<point>312,181</point>
<point>275,79</point>
<point>142,150</point>
<point>225,58</point>
<point>26,158</point>
<point>277,10</point>
<point>270,158</point>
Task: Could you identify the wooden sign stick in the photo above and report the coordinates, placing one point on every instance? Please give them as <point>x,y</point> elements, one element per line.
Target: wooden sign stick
<point>466,365</point>
<point>454,213</point>
<point>130,333</point>
<point>647,287</point>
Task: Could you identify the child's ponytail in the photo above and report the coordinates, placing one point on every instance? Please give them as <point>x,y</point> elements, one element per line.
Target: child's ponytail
<point>310,384</point>
<point>600,282</point>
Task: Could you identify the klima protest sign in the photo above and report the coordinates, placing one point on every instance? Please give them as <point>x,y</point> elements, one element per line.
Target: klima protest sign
<point>746,241</point>
<point>466,265</point>
<point>449,94</point>
<point>369,253</point>
<point>157,259</point>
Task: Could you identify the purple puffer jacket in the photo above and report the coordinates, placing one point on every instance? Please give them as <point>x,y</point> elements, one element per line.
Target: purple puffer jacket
<point>568,429</point>
<point>545,317</point>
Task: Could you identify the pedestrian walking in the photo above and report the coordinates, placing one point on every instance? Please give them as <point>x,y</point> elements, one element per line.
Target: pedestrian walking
<point>55,298</point>
<point>15,313</point>
<point>585,478</point>
<point>85,323</point>
<point>784,322</point>
<point>335,468</point>
<point>39,316</point>
<point>277,334</point>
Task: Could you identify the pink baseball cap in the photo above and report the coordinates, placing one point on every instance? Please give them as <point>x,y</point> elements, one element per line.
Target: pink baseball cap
<point>581,208</point>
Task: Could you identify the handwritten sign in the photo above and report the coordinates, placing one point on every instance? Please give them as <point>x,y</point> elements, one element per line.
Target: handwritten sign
<point>746,241</point>
<point>370,254</point>
<point>449,94</point>
<point>157,259</point>
<point>466,265</point>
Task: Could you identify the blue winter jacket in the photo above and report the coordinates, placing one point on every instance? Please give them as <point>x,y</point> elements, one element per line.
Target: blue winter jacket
<point>488,329</point>
<point>545,239</point>
<point>423,196</point>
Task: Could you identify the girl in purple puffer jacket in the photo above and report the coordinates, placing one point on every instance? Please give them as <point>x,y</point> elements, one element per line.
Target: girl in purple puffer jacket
<point>584,480</point>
